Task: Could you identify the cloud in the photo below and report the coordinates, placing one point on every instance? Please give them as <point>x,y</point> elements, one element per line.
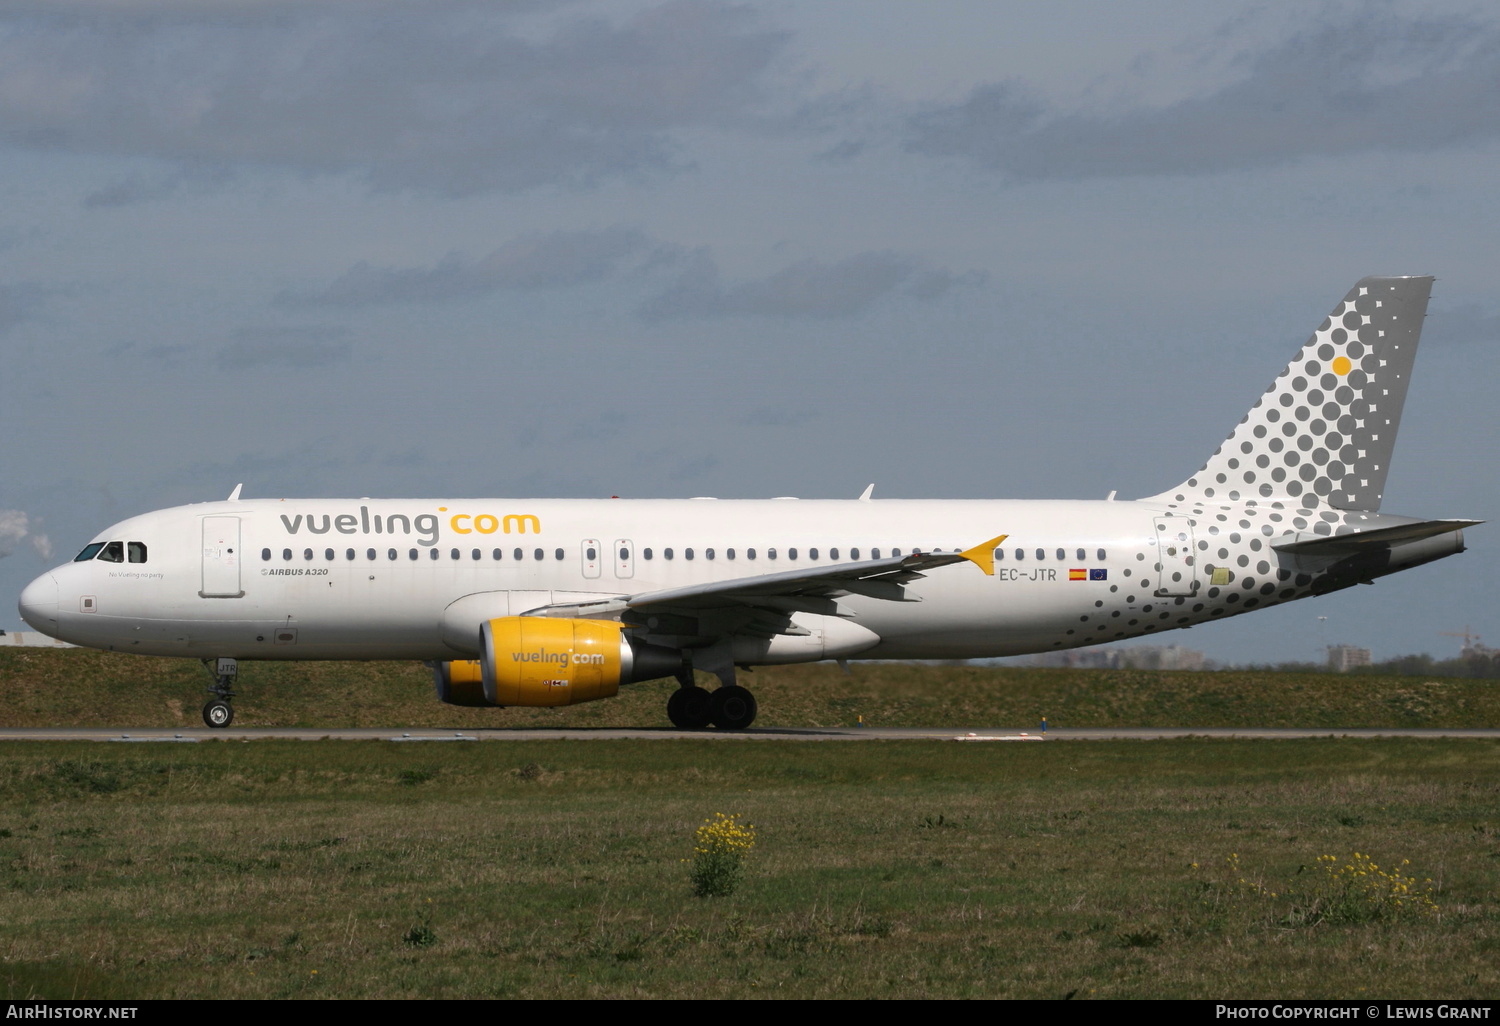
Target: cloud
<point>808,288</point>
<point>552,261</point>
<point>292,347</point>
<point>15,528</point>
<point>136,188</point>
<point>1372,81</point>
<point>444,96</point>
<point>18,303</point>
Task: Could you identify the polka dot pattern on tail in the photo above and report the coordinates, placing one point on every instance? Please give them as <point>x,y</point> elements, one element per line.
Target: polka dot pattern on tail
<point>1322,435</point>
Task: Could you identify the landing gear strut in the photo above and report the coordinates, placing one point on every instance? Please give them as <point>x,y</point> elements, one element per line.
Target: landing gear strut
<point>218,712</point>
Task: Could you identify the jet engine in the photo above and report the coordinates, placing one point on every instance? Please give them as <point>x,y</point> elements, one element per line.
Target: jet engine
<point>545,661</point>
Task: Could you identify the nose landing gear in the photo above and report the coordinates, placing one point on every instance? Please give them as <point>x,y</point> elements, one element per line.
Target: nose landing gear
<point>218,712</point>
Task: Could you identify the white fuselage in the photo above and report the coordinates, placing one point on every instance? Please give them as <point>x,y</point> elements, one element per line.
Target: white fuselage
<point>375,578</point>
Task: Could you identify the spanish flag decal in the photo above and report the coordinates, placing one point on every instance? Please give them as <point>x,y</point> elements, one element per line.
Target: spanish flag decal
<point>1078,575</point>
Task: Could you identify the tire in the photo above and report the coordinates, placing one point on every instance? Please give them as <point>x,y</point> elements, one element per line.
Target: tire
<point>218,714</point>
<point>688,708</point>
<point>732,708</point>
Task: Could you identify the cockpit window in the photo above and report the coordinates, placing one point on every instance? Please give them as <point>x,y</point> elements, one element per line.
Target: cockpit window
<point>114,552</point>
<point>136,551</point>
<point>89,552</point>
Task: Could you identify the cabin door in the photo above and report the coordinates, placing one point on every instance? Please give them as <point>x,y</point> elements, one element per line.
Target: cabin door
<point>221,558</point>
<point>1176,557</point>
<point>624,552</point>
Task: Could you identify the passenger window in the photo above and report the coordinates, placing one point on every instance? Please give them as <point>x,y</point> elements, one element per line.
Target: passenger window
<point>707,554</point>
<point>590,554</point>
<point>390,553</point>
<point>328,554</point>
<point>369,553</point>
<point>687,553</point>
<point>498,555</point>
<point>432,553</point>
<point>558,554</point>
<point>1041,553</point>
<point>136,551</point>
<point>348,553</point>
<point>414,553</point>
<point>833,553</point>
<point>1062,554</point>
<point>749,553</point>
<point>519,555</point>
<point>538,554</point>
<point>453,553</point>
<point>286,553</point>
<point>770,553</point>
<point>92,549</point>
<point>114,552</point>
<point>791,554</point>
<point>307,553</point>
<point>812,554</point>
<point>728,553</point>
<point>875,553</point>
<point>1101,554</point>
<point>265,555</point>
<point>476,554</point>
<point>1020,554</point>
<point>647,553</point>
<point>667,554</point>
<point>895,553</point>
<point>854,553</point>
<point>999,553</point>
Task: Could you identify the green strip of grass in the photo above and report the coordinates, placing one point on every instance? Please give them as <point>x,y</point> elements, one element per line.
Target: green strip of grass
<point>78,687</point>
<point>894,869</point>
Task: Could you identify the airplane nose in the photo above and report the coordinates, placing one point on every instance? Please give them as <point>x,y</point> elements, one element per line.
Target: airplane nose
<point>38,604</point>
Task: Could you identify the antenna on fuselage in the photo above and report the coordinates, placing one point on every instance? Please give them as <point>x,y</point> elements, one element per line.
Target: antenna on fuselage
<point>234,496</point>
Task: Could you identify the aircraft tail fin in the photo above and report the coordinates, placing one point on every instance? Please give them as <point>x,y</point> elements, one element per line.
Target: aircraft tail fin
<point>1323,433</point>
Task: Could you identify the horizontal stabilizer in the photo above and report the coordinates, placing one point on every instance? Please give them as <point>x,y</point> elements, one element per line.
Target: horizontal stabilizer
<point>1365,541</point>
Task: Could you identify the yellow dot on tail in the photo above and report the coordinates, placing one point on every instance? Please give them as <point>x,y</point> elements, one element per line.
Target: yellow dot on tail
<point>1341,365</point>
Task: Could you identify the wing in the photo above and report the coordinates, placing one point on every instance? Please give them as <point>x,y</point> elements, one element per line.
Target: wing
<point>763,604</point>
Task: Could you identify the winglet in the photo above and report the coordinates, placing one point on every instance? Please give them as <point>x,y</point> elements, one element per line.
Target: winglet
<point>983,555</point>
<point>234,496</point>
<point>864,496</point>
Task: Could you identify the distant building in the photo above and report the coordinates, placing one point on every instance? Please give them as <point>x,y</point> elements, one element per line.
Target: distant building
<point>1140,657</point>
<point>1342,658</point>
<point>31,639</point>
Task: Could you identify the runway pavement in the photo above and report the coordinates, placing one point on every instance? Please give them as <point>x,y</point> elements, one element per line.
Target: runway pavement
<point>966,734</point>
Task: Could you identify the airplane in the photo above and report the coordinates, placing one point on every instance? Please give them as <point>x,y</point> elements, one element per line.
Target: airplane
<point>552,602</point>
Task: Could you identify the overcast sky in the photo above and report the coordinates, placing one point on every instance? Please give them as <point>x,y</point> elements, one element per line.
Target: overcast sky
<point>969,250</point>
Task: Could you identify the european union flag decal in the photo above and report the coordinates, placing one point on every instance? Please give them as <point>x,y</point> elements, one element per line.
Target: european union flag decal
<point>1098,575</point>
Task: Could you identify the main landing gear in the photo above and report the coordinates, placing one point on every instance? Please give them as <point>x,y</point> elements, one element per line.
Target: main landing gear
<point>218,712</point>
<point>729,707</point>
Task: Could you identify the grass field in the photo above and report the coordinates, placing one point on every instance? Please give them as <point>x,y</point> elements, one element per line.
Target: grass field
<point>881,869</point>
<point>65,687</point>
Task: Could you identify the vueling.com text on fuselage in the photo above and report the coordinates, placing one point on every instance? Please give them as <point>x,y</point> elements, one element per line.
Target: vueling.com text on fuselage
<point>426,526</point>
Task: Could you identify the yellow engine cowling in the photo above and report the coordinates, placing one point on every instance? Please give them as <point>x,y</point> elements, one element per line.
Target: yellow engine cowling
<point>536,660</point>
<point>460,682</point>
<point>545,661</point>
